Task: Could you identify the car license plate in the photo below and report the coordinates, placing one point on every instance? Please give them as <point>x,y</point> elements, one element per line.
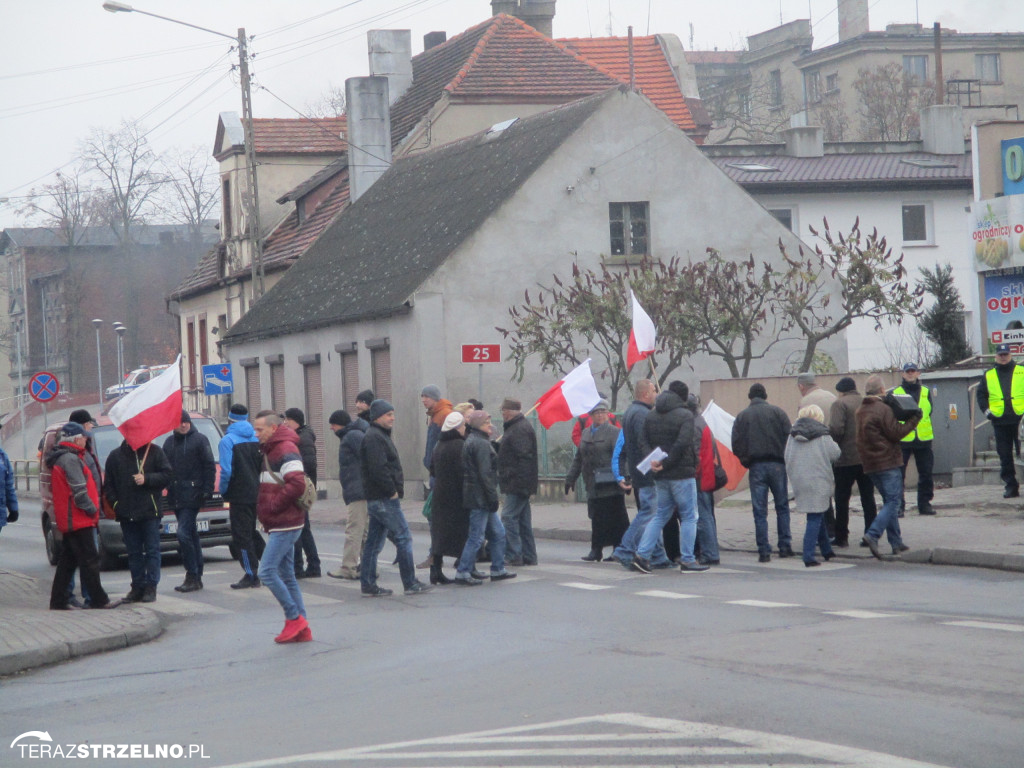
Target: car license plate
<point>203,526</point>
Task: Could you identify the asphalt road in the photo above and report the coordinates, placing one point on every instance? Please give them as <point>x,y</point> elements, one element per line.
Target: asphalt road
<point>875,664</point>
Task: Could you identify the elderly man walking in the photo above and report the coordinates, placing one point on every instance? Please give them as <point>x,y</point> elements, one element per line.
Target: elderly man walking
<point>517,476</point>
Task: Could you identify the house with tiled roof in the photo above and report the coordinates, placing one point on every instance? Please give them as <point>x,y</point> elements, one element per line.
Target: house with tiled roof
<point>433,254</point>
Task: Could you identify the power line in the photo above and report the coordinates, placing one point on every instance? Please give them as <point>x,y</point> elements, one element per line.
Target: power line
<point>102,62</point>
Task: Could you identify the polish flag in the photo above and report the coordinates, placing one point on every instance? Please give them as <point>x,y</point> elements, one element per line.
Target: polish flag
<point>573,396</point>
<point>720,421</point>
<point>151,410</point>
<point>641,337</point>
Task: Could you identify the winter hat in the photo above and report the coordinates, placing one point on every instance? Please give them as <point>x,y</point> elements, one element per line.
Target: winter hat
<point>452,421</point>
<point>185,417</point>
<point>508,404</point>
<point>296,415</point>
<point>380,407</point>
<point>679,388</point>
<point>431,391</point>
<point>238,412</point>
<point>477,419</point>
<point>602,404</point>
<point>341,418</point>
<point>846,384</point>
<point>757,390</point>
<point>366,396</point>
<point>72,429</point>
<point>81,416</point>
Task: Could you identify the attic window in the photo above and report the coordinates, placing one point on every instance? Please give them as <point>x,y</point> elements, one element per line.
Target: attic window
<point>925,162</point>
<point>496,130</point>
<point>753,167</point>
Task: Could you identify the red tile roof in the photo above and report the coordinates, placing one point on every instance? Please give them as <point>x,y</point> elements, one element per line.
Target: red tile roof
<point>291,239</point>
<point>299,135</point>
<point>653,74</point>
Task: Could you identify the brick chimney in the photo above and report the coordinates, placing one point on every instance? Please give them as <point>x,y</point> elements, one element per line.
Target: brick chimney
<point>853,18</point>
<point>539,14</point>
<point>369,132</point>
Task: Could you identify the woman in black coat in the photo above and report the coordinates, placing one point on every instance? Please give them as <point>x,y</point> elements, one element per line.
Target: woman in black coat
<point>606,500</point>
<point>449,524</point>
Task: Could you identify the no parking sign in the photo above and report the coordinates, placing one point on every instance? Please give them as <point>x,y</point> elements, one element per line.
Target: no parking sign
<point>43,387</point>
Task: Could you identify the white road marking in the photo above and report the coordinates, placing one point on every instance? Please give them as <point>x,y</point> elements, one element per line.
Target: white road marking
<point>664,593</point>
<point>856,614</point>
<point>986,625</point>
<point>584,585</point>
<point>762,604</point>
<point>179,606</point>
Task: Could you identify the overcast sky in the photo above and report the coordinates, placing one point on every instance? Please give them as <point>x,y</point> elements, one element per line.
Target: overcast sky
<point>68,65</point>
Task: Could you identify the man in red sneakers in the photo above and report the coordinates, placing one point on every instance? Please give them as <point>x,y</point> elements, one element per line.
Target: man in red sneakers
<point>282,482</point>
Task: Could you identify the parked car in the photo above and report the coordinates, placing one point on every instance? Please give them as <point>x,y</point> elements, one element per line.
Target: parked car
<point>213,523</point>
<point>134,380</point>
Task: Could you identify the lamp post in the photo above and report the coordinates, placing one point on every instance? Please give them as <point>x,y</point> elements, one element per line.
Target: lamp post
<point>21,388</point>
<point>96,323</point>
<point>120,329</point>
<point>253,202</point>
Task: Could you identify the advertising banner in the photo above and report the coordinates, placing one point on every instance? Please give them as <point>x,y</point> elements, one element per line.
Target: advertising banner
<point>1013,166</point>
<point>1004,308</point>
<point>997,232</point>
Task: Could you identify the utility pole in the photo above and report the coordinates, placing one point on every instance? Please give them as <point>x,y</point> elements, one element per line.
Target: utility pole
<point>253,201</point>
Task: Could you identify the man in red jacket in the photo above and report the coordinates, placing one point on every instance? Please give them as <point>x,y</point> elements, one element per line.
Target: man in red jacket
<point>282,482</point>
<point>76,506</point>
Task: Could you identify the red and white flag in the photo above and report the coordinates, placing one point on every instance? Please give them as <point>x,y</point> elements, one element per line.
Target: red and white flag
<point>641,337</point>
<point>151,410</point>
<point>574,395</point>
<point>720,422</point>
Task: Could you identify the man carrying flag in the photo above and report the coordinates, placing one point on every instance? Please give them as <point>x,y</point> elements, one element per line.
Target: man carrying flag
<point>575,394</point>
<point>137,472</point>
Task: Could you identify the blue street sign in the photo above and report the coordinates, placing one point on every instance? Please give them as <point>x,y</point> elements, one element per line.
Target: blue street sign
<point>43,387</point>
<point>217,379</point>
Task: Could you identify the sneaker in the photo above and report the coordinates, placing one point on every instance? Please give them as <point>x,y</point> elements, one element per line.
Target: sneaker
<point>641,564</point>
<point>149,594</point>
<point>502,575</point>
<point>418,588</point>
<point>344,573</point>
<point>304,636</point>
<point>375,591</point>
<point>872,544</point>
<point>292,628</point>
<point>478,575</point>
<point>692,567</point>
<point>662,565</point>
<point>467,580</point>
<point>134,595</point>
<point>246,582</point>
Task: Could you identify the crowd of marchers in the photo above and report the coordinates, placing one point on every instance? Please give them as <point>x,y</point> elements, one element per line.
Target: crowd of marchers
<point>662,451</point>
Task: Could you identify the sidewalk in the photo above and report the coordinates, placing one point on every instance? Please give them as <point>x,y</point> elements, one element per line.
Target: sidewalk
<point>974,526</point>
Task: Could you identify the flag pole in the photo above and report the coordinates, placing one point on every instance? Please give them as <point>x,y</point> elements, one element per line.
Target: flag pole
<point>654,374</point>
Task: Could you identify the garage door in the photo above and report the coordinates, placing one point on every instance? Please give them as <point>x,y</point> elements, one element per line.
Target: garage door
<point>349,381</point>
<point>252,389</point>
<point>315,417</point>
<point>382,373</point>
<point>277,401</point>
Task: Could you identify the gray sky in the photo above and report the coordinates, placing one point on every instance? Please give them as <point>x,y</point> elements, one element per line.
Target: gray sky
<point>68,65</point>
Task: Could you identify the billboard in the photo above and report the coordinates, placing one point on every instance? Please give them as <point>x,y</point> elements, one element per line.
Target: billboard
<point>1012,154</point>
<point>1004,308</point>
<point>997,232</point>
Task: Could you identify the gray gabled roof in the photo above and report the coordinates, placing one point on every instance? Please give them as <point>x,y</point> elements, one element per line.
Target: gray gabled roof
<point>381,249</point>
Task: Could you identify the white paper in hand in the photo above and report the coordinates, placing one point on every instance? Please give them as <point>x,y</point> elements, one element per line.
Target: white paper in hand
<point>656,455</point>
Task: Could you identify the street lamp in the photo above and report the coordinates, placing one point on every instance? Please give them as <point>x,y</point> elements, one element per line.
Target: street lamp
<point>96,323</point>
<point>253,220</point>
<point>18,325</point>
<point>120,329</point>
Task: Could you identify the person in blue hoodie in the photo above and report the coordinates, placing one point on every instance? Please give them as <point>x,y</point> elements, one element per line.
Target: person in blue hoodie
<point>240,464</point>
<point>8,495</point>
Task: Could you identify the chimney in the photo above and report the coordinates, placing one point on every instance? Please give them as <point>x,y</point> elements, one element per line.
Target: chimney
<point>853,18</point>
<point>390,53</point>
<point>369,132</point>
<point>805,141</point>
<point>539,14</point>
<point>433,39</point>
<point>942,129</point>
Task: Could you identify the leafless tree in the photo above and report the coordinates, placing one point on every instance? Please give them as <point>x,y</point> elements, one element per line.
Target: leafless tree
<point>192,189</point>
<point>830,114</point>
<point>890,101</point>
<point>746,109</point>
<point>330,103</point>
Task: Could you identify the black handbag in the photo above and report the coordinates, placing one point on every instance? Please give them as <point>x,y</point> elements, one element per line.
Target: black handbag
<point>604,476</point>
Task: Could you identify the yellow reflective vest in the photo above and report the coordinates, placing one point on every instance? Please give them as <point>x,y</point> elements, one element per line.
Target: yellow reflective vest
<point>924,428</point>
<point>996,398</point>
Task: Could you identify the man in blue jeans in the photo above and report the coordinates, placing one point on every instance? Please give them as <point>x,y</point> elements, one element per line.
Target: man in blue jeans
<point>384,486</point>
<point>670,427</point>
<point>879,442</point>
<point>759,437</point>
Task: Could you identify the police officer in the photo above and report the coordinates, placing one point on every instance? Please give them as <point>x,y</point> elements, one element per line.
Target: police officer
<point>919,442</point>
<point>1001,397</point>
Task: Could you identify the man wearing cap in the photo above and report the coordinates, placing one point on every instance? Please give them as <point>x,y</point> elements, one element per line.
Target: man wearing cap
<point>383,485</point>
<point>759,437</point>
<point>192,482</point>
<point>1001,397</point>
<point>240,465</point>
<point>76,505</point>
<point>437,409</point>
<point>517,476</point>
<point>919,442</point>
<point>296,419</point>
<point>350,433</point>
<point>92,463</point>
<point>842,426</point>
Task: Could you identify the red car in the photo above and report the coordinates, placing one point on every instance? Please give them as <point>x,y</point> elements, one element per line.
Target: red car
<point>213,523</point>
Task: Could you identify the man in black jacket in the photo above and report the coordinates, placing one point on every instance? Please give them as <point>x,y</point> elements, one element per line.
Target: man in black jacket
<point>517,476</point>
<point>296,419</point>
<point>383,484</point>
<point>133,482</point>
<point>350,434</point>
<point>759,437</point>
<point>670,427</point>
<point>192,482</point>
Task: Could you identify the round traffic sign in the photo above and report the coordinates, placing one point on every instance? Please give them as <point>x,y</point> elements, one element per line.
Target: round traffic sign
<point>43,387</point>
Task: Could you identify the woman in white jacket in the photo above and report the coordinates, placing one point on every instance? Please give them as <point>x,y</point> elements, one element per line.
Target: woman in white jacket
<point>810,453</point>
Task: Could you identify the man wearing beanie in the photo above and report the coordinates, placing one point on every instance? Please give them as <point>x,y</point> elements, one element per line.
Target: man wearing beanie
<point>842,425</point>
<point>350,433</point>
<point>240,466</point>
<point>363,402</point>
<point>517,476</point>
<point>759,437</point>
<point>296,419</point>
<point>192,481</point>
<point>383,485</point>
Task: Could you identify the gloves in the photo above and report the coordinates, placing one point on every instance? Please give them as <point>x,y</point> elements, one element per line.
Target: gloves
<point>12,515</point>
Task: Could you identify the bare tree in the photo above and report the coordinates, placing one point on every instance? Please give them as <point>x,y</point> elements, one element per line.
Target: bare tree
<point>65,206</point>
<point>830,114</point>
<point>330,103</point>
<point>746,109</point>
<point>192,188</point>
<point>890,102</point>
